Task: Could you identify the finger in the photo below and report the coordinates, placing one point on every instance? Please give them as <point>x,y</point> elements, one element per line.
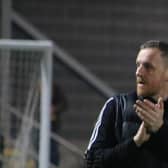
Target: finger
<point>143,127</point>
<point>147,123</point>
<point>145,105</point>
<point>149,104</point>
<point>137,108</point>
<point>142,106</point>
<point>145,115</point>
<point>160,103</point>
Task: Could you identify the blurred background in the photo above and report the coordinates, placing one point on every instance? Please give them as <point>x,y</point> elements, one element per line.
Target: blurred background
<point>95,47</point>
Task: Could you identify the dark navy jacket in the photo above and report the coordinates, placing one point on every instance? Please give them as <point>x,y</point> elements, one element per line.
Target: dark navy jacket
<point>111,144</point>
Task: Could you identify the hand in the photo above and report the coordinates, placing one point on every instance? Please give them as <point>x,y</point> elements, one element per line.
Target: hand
<point>141,135</point>
<point>150,113</point>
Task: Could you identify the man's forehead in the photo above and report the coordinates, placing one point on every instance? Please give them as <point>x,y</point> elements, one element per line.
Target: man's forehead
<point>149,55</point>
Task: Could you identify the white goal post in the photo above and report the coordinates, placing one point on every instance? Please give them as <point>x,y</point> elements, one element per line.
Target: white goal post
<point>25,78</point>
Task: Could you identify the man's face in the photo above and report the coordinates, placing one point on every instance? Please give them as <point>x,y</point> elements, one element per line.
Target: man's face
<point>149,72</point>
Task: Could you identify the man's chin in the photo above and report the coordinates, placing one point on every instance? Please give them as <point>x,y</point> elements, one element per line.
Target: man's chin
<point>142,93</point>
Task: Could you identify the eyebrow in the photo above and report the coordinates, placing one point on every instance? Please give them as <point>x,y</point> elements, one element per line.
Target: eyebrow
<point>146,64</point>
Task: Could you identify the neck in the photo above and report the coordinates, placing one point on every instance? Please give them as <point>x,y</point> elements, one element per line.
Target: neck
<point>164,92</point>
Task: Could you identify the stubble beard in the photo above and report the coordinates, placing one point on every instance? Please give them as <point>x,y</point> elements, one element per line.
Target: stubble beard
<point>147,93</point>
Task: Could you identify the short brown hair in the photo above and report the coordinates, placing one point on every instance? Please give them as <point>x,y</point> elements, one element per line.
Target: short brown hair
<point>161,45</point>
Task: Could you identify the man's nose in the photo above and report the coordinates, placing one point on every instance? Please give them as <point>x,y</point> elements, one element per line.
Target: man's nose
<point>139,70</point>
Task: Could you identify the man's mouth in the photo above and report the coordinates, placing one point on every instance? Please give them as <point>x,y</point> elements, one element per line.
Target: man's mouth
<point>140,81</point>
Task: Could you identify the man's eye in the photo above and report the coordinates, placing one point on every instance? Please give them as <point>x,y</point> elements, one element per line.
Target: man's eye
<point>148,66</point>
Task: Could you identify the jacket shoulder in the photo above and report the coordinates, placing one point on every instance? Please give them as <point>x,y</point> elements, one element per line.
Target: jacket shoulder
<point>124,98</point>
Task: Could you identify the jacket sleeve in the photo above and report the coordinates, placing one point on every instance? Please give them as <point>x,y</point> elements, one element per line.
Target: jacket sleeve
<point>103,149</point>
<point>158,142</point>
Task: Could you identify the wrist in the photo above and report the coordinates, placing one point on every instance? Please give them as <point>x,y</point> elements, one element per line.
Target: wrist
<point>158,128</point>
<point>161,124</point>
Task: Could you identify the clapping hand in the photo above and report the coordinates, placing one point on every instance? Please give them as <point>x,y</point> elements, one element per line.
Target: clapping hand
<point>151,114</point>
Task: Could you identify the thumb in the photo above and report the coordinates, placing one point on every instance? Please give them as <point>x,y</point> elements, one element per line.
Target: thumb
<point>160,103</point>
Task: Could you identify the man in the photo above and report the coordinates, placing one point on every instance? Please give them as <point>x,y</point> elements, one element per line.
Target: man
<point>58,106</point>
<point>132,129</point>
